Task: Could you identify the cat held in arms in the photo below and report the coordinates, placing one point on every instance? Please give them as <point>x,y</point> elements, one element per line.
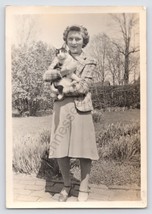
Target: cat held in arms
<point>61,73</point>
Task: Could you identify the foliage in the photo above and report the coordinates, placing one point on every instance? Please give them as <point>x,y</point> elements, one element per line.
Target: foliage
<point>117,59</point>
<point>27,153</point>
<point>118,144</point>
<point>30,94</point>
<point>29,62</point>
<point>97,116</point>
<point>116,96</point>
<point>30,155</point>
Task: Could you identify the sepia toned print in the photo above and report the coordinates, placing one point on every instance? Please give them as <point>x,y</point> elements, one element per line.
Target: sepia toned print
<point>76,131</point>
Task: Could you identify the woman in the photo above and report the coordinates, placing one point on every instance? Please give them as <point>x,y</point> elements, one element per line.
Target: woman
<point>73,134</point>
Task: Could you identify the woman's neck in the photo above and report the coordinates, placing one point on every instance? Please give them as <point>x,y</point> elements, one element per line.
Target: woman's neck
<point>76,54</point>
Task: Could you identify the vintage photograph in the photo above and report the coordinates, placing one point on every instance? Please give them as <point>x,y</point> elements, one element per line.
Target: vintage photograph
<point>76,107</point>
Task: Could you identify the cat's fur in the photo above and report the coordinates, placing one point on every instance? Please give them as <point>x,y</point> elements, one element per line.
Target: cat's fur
<point>62,74</point>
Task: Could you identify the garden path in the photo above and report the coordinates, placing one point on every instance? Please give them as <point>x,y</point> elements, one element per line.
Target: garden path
<point>29,188</point>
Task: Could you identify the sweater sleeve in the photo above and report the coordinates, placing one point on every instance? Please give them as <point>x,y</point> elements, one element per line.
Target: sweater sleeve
<point>83,86</point>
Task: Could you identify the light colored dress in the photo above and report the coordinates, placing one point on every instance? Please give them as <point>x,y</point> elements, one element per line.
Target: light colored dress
<point>72,132</point>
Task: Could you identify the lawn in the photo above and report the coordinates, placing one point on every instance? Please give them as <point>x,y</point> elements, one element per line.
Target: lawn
<point>31,138</point>
<point>33,125</point>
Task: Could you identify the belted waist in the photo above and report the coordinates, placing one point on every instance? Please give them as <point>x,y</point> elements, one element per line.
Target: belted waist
<point>71,96</point>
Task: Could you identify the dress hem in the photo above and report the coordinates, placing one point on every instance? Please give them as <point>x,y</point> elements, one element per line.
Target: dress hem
<point>91,158</point>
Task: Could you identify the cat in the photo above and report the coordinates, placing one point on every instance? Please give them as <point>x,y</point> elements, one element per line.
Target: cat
<point>62,74</point>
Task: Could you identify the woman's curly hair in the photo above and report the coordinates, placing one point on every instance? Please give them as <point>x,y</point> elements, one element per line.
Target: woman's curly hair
<point>78,28</point>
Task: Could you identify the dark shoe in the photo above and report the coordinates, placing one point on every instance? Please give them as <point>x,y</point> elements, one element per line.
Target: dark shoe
<point>65,192</point>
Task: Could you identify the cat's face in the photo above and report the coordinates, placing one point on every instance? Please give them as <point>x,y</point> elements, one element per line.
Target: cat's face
<point>61,53</point>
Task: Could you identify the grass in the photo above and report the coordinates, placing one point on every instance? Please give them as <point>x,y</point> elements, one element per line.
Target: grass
<point>31,125</point>
<point>118,141</point>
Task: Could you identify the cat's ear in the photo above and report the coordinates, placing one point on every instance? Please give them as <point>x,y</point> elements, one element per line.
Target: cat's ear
<point>63,50</point>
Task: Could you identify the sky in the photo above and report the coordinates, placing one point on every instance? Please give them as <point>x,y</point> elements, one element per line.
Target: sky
<point>95,23</point>
<point>50,27</point>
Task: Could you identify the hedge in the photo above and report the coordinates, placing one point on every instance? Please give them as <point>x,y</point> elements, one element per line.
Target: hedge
<point>116,96</point>
<point>102,97</point>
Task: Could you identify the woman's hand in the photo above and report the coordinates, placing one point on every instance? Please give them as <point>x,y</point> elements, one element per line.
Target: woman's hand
<point>72,90</point>
<point>51,75</point>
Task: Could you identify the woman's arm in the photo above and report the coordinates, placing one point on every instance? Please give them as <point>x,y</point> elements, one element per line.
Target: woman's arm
<point>83,86</point>
<point>51,75</point>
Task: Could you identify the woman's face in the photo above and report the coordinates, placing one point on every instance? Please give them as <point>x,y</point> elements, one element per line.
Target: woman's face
<point>75,42</point>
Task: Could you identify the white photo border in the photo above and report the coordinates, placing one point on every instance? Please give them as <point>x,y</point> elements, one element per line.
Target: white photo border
<point>14,10</point>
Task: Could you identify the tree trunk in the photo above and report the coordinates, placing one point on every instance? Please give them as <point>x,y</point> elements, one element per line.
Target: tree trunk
<point>126,72</point>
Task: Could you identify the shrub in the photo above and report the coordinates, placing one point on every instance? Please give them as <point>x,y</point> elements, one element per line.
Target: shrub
<point>27,153</point>
<point>97,116</point>
<point>116,96</point>
<point>29,62</point>
<point>119,142</point>
<point>30,155</point>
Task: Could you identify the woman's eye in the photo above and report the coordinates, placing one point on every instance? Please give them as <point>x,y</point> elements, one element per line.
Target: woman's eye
<point>70,39</point>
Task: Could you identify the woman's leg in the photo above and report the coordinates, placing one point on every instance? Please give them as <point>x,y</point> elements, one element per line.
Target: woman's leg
<point>64,165</point>
<point>85,173</point>
<point>85,165</point>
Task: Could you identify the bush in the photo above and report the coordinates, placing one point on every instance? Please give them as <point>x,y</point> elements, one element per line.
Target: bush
<point>116,96</point>
<point>119,142</point>
<point>31,153</point>
<point>97,116</point>
<point>29,62</point>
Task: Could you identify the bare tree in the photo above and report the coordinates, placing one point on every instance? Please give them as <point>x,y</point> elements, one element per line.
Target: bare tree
<point>126,23</point>
<point>115,63</point>
<point>134,67</point>
<point>97,49</point>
